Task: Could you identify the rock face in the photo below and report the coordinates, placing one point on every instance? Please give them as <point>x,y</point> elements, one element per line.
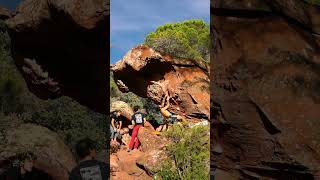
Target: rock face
<point>126,110</point>
<point>187,83</point>
<point>140,164</point>
<point>4,13</point>
<point>154,151</point>
<point>265,74</point>
<point>124,166</point>
<point>150,141</point>
<point>60,47</point>
<point>53,156</point>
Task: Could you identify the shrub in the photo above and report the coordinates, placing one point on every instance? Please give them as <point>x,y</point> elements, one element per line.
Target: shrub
<point>189,152</point>
<point>315,2</point>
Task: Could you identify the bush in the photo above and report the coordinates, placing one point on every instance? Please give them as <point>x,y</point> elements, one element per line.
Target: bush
<point>315,2</point>
<point>11,83</point>
<point>188,39</point>
<point>71,121</point>
<point>189,152</point>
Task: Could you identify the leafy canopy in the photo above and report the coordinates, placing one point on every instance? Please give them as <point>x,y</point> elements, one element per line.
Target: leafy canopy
<point>188,39</point>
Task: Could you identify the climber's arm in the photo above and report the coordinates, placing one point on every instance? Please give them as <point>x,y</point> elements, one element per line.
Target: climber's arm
<point>168,103</point>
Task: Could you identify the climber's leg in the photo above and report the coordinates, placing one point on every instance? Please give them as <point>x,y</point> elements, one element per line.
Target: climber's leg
<point>160,121</point>
<point>134,136</point>
<point>159,128</point>
<point>137,143</point>
<point>111,133</point>
<point>165,127</point>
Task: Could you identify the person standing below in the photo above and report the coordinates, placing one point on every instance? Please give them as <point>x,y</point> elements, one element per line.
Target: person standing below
<point>115,126</point>
<point>88,167</point>
<point>138,119</point>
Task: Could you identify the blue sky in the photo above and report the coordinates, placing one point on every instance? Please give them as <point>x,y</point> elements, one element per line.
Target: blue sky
<point>132,20</point>
<point>9,4</point>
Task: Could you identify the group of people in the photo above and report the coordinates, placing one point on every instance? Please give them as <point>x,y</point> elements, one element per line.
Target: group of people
<point>22,167</point>
<point>138,120</point>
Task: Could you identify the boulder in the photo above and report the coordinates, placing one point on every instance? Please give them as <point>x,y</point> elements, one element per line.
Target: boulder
<point>4,13</point>
<point>143,71</point>
<point>151,141</point>
<point>140,164</point>
<point>60,47</point>
<point>53,156</point>
<point>248,5</point>
<point>114,163</point>
<point>152,161</point>
<point>124,166</point>
<point>154,150</point>
<point>127,162</point>
<point>264,77</point>
<point>125,108</point>
<point>149,126</point>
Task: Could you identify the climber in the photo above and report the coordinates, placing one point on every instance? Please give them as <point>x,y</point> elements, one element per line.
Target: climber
<point>168,117</point>
<point>115,126</point>
<point>22,167</point>
<point>88,167</point>
<point>138,119</point>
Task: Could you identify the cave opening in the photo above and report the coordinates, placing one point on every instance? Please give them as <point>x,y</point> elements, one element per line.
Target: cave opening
<point>138,81</point>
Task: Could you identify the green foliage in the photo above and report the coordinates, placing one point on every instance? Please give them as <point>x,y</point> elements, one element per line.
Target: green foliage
<point>189,152</point>
<point>315,2</point>
<point>114,91</point>
<point>188,39</point>
<point>10,80</point>
<point>5,42</point>
<point>71,120</point>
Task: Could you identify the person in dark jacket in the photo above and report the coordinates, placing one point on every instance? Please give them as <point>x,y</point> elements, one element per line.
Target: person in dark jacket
<point>88,168</point>
<point>115,126</point>
<point>138,120</point>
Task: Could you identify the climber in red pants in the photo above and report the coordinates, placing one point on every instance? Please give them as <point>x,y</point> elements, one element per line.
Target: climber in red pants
<point>138,119</point>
